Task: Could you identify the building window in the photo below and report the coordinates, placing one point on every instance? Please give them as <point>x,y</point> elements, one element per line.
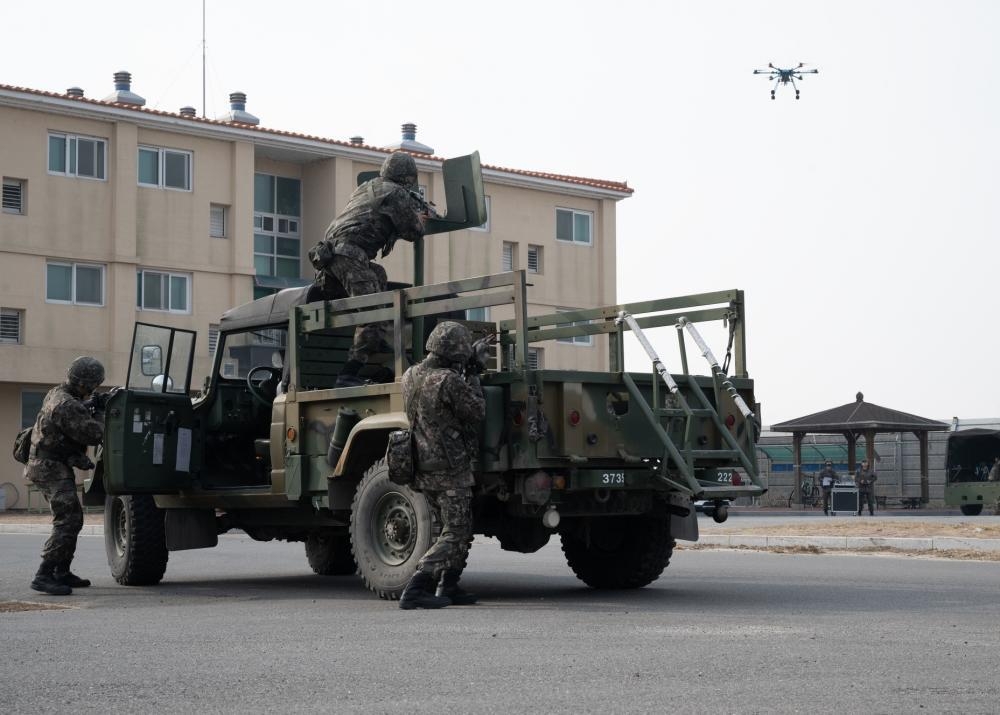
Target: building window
<point>165,168</point>
<point>77,156</point>
<point>508,256</point>
<point>13,195</point>
<point>574,226</point>
<point>31,405</point>
<point>480,314</point>
<point>277,249</point>
<point>535,358</point>
<point>213,338</point>
<point>217,221</point>
<point>169,292</point>
<point>485,226</point>
<point>576,339</point>
<point>534,259</point>
<point>74,283</point>
<point>10,326</point>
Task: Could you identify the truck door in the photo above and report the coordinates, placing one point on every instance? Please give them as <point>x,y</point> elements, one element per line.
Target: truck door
<point>152,444</point>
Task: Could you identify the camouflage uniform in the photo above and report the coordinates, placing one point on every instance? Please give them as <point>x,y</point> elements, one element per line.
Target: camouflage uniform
<point>63,429</point>
<point>379,213</point>
<point>444,404</point>
<point>827,478</point>
<point>865,478</point>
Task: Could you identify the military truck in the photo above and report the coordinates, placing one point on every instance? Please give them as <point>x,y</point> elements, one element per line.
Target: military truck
<point>609,461</point>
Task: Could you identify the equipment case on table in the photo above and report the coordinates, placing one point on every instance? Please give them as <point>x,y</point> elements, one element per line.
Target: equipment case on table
<point>844,499</point>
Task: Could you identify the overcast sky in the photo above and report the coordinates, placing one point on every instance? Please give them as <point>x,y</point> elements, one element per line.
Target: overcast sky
<point>861,220</point>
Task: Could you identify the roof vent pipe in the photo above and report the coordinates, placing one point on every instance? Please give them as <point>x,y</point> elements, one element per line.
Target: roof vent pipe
<point>74,92</point>
<point>123,93</point>
<point>357,141</point>
<point>237,110</point>
<point>409,141</point>
<point>189,112</point>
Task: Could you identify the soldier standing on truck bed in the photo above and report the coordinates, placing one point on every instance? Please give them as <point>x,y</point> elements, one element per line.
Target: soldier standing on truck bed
<point>445,410</point>
<point>379,212</point>
<point>63,429</point>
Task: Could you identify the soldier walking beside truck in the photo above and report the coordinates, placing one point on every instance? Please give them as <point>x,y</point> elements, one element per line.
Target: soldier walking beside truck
<point>63,429</point>
<point>379,212</point>
<point>444,409</point>
<point>865,478</point>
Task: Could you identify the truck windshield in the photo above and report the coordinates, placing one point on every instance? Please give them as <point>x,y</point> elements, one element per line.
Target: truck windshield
<point>246,350</point>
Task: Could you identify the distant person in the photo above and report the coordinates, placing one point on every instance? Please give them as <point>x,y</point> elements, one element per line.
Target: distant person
<point>995,470</point>
<point>63,429</point>
<point>865,478</point>
<point>827,478</point>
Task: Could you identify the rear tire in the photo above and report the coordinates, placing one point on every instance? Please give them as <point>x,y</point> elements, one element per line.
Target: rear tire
<point>972,509</point>
<point>391,530</point>
<point>134,539</point>
<point>329,554</point>
<point>619,552</point>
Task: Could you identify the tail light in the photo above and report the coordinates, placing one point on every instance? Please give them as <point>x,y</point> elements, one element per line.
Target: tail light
<point>737,480</point>
<point>574,418</point>
<point>730,420</point>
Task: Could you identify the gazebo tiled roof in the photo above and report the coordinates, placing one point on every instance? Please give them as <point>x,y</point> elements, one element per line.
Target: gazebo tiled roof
<point>860,416</point>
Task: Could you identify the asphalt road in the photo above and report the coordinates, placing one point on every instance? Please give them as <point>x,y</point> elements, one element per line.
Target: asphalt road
<point>246,627</point>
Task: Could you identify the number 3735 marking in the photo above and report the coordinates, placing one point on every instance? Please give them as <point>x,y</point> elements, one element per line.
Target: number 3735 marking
<point>613,478</point>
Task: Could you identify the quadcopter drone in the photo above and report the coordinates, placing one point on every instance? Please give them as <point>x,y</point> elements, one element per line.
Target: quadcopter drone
<point>782,76</point>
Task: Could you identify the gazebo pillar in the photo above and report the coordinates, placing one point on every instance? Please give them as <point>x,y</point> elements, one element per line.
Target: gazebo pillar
<point>925,491</point>
<point>797,458</point>
<point>870,448</point>
<point>852,446</point>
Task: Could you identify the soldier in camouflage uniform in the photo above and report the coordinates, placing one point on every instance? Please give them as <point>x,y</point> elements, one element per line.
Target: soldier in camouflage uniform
<point>63,429</point>
<point>865,478</point>
<point>444,409</point>
<point>380,212</point>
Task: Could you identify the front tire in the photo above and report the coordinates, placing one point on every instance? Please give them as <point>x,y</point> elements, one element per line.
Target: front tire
<point>971,509</point>
<point>329,554</point>
<point>619,552</point>
<point>391,529</point>
<point>134,539</point>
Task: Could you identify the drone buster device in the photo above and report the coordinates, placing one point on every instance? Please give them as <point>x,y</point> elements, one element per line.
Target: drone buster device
<point>783,76</point>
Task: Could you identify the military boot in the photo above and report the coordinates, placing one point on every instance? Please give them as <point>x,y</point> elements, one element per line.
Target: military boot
<point>448,586</point>
<point>348,376</point>
<point>46,582</point>
<point>419,594</point>
<point>64,575</point>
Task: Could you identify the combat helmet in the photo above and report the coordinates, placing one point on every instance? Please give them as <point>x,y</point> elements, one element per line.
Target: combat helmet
<point>85,372</point>
<point>400,168</point>
<point>451,341</point>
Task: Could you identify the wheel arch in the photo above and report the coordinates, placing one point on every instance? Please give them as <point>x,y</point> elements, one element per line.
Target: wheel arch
<point>367,443</point>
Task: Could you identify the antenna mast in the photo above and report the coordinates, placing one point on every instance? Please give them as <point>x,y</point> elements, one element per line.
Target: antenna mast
<point>203,109</point>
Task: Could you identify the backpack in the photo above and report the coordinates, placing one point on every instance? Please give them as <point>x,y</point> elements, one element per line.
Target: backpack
<point>399,457</point>
<point>22,445</point>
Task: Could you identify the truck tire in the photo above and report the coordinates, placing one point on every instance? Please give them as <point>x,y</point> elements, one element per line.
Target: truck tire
<point>619,552</point>
<point>134,539</point>
<point>329,553</point>
<point>972,509</point>
<point>391,529</point>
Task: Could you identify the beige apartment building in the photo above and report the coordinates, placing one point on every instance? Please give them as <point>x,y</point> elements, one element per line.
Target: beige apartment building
<point>113,213</point>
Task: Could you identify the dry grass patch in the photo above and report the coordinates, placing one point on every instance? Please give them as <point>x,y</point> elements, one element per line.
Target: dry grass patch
<point>846,526</point>
<point>963,554</point>
<point>21,606</point>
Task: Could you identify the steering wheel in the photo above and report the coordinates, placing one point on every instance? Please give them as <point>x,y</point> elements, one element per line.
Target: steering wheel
<point>259,390</point>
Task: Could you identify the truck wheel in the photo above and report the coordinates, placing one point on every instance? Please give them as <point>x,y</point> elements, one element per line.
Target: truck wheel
<point>390,530</point>
<point>971,509</point>
<point>134,539</point>
<point>329,553</point>
<point>619,552</point>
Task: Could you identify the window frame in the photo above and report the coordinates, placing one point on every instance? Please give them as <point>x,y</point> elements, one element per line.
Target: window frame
<point>539,263</point>
<point>574,213</point>
<point>18,314</point>
<point>485,226</point>
<point>22,185</point>
<point>576,340</point>
<point>225,221</point>
<point>161,168</point>
<point>74,265</point>
<point>169,276</point>
<point>292,225</point>
<point>71,160</point>
<point>37,393</point>
<point>513,256</point>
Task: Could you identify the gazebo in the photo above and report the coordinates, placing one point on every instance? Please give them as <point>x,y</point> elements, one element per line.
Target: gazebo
<point>860,419</point>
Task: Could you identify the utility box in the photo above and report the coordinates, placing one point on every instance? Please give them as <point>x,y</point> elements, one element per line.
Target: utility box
<point>844,499</point>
